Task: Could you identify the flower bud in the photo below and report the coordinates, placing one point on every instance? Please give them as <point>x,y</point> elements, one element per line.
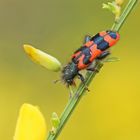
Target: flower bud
<point>55,123</point>
<point>55,120</point>
<point>42,58</point>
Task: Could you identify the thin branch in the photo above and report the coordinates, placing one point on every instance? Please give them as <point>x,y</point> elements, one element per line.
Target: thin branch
<point>129,7</point>
<point>89,76</point>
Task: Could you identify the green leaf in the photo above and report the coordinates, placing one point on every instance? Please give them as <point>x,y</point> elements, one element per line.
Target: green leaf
<point>55,120</point>
<point>114,8</point>
<point>55,123</point>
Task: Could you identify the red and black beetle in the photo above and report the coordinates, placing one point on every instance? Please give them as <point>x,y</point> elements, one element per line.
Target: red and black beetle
<point>94,48</point>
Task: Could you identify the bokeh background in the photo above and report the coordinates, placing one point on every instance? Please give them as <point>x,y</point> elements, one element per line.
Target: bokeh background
<point>111,111</point>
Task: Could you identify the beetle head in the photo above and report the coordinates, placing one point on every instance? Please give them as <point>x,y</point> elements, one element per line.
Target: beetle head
<point>69,72</point>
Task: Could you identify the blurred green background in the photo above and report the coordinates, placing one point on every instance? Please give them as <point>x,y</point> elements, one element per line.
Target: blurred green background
<point>111,111</point>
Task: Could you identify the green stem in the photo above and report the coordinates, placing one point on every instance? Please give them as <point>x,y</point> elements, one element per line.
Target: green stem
<point>117,25</point>
<point>89,76</point>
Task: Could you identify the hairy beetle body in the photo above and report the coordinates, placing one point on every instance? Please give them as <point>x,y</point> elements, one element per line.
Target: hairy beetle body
<point>95,47</point>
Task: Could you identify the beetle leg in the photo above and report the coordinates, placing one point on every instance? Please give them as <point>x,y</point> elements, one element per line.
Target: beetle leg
<point>83,80</point>
<point>103,55</point>
<point>71,92</point>
<point>81,77</point>
<point>87,38</point>
<point>70,95</point>
<point>92,67</point>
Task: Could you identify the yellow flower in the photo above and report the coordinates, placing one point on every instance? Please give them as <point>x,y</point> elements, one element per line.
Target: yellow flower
<point>42,58</point>
<point>30,124</point>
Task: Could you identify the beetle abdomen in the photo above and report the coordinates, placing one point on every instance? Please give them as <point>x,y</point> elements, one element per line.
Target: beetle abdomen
<point>105,39</point>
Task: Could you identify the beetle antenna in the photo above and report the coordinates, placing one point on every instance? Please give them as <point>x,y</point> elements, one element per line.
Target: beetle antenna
<point>56,81</point>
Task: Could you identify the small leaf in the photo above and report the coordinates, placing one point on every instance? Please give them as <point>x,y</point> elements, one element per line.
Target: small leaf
<point>114,8</point>
<point>106,6</point>
<point>55,122</point>
<point>31,124</point>
<point>42,58</point>
<point>112,59</point>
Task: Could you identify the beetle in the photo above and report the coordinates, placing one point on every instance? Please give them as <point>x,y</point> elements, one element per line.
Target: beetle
<point>94,48</point>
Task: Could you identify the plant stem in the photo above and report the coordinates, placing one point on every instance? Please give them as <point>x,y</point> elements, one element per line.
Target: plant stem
<point>117,25</point>
<point>89,76</point>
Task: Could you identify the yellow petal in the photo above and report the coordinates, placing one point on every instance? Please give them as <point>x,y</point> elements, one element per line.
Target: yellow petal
<point>42,58</point>
<point>30,124</point>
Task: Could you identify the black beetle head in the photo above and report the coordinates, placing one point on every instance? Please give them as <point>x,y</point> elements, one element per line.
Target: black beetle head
<point>69,72</point>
